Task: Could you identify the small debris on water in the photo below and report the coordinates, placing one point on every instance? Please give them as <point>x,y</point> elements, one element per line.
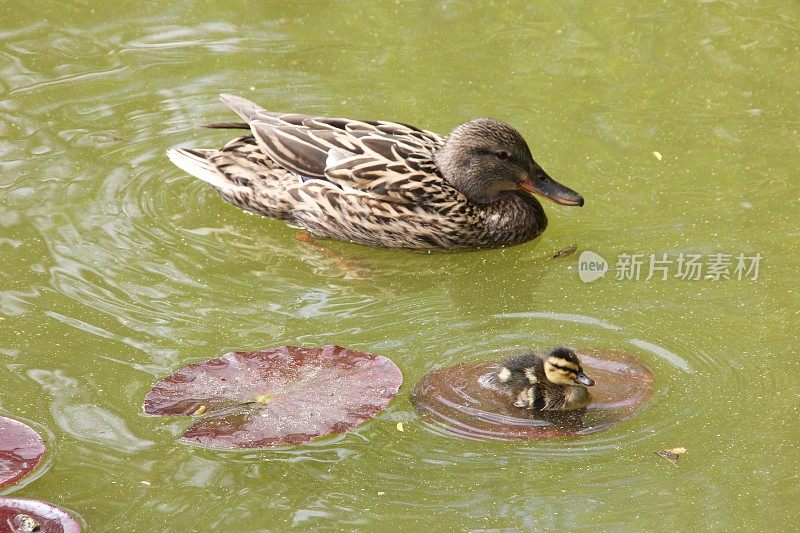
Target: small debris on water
<point>400,426</point>
<point>200,410</point>
<point>564,252</point>
<point>671,454</point>
<point>657,155</point>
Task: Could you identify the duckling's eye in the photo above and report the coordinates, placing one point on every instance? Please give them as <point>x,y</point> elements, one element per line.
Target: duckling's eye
<point>502,154</point>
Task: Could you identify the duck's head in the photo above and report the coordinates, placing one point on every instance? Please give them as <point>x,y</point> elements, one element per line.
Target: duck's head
<point>485,158</point>
<point>562,367</point>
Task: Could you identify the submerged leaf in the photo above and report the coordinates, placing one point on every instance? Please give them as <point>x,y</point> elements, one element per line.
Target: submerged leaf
<point>21,515</point>
<point>465,401</point>
<point>21,449</point>
<point>284,395</point>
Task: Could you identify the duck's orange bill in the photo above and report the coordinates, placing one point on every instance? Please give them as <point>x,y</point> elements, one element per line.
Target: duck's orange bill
<point>549,188</point>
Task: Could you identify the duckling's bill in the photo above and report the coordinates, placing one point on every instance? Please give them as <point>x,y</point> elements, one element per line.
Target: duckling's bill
<point>583,379</point>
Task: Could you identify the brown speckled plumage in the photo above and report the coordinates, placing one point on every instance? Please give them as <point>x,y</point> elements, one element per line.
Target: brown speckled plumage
<point>380,183</point>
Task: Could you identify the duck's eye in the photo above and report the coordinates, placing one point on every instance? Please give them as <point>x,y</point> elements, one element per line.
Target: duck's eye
<point>502,154</point>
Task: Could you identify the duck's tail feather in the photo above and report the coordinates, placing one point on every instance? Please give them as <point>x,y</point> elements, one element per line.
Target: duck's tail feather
<point>227,125</point>
<point>242,176</point>
<point>243,107</point>
<point>251,112</point>
<point>195,162</point>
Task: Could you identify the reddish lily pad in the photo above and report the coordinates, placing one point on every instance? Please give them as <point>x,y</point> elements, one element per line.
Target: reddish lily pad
<point>25,516</point>
<point>284,395</point>
<point>463,400</point>
<point>21,449</point>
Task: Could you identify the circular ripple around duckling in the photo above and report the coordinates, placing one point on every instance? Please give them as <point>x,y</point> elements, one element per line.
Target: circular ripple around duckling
<point>678,388</point>
<point>463,400</point>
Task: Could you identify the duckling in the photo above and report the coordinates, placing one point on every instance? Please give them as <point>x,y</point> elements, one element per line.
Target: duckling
<point>552,383</point>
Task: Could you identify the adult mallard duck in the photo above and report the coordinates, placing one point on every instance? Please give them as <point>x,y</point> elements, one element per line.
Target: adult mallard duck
<point>381,183</point>
<point>555,382</point>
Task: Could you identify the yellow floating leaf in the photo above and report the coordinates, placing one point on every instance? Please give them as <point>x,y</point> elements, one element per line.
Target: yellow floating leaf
<point>264,398</point>
<point>400,426</point>
<point>657,155</point>
<point>200,410</point>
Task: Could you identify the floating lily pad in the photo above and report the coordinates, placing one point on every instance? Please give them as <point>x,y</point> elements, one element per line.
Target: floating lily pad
<point>284,395</point>
<point>27,516</point>
<point>463,400</point>
<point>21,449</point>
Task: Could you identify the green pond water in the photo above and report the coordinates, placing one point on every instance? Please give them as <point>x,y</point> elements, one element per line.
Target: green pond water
<point>116,268</point>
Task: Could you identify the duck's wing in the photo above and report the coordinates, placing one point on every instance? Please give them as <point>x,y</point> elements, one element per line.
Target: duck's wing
<point>250,112</point>
<point>386,160</point>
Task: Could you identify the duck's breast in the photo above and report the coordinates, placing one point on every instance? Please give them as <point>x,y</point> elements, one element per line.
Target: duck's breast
<point>514,219</point>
